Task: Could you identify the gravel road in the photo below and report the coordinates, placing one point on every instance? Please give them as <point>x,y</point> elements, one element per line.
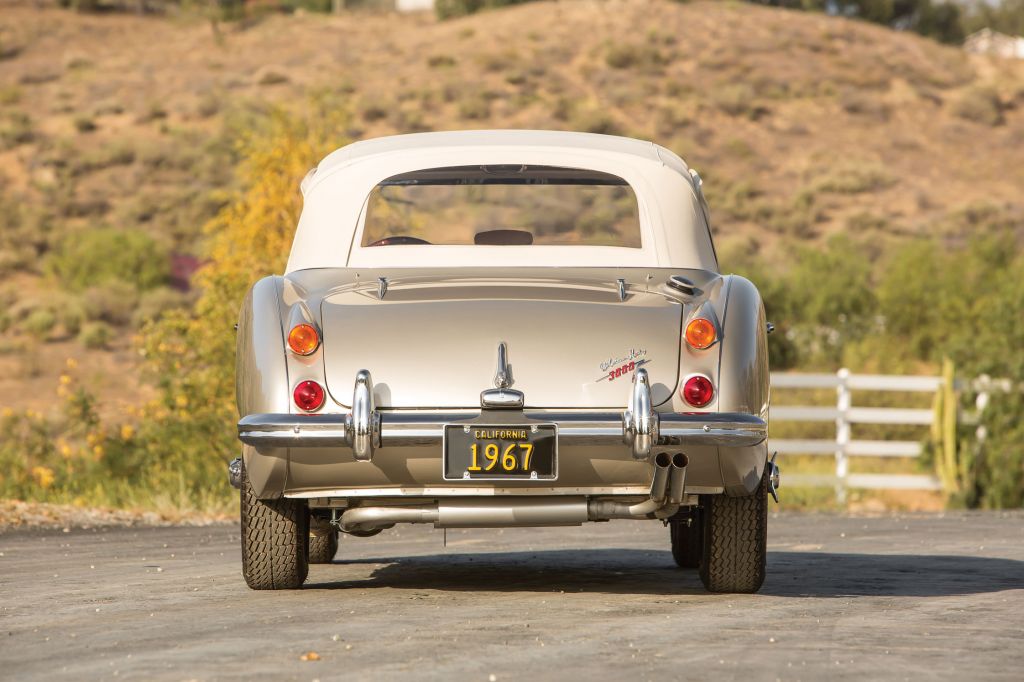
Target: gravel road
<point>892,597</point>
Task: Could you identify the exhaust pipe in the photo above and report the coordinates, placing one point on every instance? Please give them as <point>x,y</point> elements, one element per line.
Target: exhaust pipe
<point>472,513</point>
<point>601,510</point>
<point>667,487</point>
<point>677,479</point>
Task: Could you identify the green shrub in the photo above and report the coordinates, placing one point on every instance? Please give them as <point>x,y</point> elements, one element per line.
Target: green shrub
<point>852,178</point>
<point>436,61</point>
<point>155,303</point>
<point>97,256</point>
<point>40,322</point>
<point>475,106</point>
<point>448,9</point>
<point>15,129</point>
<point>71,315</point>
<point>95,335</point>
<point>738,99</point>
<point>634,55</point>
<point>113,301</point>
<point>9,95</point>
<point>980,104</point>
<point>84,123</point>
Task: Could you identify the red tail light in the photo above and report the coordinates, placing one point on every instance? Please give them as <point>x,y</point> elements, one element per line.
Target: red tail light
<point>309,396</point>
<point>698,390</point>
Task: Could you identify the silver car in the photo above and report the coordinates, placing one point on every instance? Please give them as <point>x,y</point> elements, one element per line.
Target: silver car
<point>490,329</point>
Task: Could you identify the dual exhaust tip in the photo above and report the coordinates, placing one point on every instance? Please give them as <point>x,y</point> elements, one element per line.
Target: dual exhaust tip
<point>669,477</point>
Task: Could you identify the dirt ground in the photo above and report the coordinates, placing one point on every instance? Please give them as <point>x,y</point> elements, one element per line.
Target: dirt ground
<point>886,597</point>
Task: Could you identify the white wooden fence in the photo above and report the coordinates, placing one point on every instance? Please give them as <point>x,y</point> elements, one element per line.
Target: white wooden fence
<point>845,414</point>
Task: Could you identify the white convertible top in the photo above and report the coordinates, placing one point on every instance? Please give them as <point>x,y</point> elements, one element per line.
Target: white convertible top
<point>674,228</point>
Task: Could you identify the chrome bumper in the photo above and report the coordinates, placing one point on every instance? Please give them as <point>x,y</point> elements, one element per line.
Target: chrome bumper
<point>366,428</point>
<point>414,428</point>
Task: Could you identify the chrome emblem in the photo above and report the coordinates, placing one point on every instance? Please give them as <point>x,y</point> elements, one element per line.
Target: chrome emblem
<point>503,375</point>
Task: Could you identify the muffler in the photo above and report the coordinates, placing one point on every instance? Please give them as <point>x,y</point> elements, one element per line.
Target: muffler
<point>472,513</point>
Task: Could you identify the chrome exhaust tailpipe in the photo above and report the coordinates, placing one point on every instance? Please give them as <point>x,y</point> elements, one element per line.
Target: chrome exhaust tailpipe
<point>602,510</point>
<point>677,479</point>
<point>659,484</point>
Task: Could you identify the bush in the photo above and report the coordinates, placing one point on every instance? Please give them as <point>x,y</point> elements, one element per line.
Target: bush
<point>979,104</point>
<point>84,123</point>
<point>154,304</point>
<point>737,99</point>
<point>15,129</point>
<point>448,9</point>
<point>95,335</point>
<point>97,256</point>
<point>113,302</point>
<point>40,322</point>
<point>634,55</point>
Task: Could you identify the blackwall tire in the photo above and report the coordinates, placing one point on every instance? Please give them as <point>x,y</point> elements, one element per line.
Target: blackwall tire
<point>274,540</point>
<point>323,547</point>
<point>687,537</point>
<point>735,541</point>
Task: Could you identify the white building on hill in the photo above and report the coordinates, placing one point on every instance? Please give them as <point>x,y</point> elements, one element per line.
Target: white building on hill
<point>413,5</point>
<point>987,41</point>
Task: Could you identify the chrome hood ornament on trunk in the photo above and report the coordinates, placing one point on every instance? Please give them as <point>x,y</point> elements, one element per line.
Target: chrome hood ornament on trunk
<point>502,397</point>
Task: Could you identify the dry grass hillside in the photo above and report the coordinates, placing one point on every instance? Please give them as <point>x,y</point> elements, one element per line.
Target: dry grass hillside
<point>803,126</point>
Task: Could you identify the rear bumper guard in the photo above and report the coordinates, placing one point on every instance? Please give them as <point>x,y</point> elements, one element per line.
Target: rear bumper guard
<point>365,428</point>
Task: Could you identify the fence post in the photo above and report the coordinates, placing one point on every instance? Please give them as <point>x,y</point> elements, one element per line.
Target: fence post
<point>842,432</point>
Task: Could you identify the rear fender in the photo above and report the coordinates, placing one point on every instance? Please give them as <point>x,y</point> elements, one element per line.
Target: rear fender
<point>261,379</point>
<point>743,379</point>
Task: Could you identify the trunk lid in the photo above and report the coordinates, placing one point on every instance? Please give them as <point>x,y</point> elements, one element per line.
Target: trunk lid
<point>572,343</point>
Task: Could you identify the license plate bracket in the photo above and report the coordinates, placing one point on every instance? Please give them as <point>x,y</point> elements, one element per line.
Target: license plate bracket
<point>500,452</point>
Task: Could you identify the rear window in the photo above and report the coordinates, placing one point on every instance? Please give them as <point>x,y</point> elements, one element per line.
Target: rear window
<point>507,205</point>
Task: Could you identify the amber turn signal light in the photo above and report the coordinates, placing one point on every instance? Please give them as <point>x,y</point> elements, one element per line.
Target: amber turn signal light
<point>303,339</point>
<point>700,333</point>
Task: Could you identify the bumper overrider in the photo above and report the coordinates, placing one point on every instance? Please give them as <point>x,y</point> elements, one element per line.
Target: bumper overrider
<point>366,428</point>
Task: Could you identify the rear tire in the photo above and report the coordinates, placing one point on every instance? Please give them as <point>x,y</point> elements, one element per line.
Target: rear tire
<point>323,547</point>
<point>687,540</point>
<point>274,540</point>
<point>735,541</point>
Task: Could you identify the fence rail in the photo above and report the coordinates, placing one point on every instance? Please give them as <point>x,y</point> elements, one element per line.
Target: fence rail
<point>845,414</point>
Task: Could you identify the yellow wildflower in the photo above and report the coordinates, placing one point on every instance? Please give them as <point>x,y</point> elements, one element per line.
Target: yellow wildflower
<point>181,401</point>
<point>72,363</point>
<point>127,431</point>
<point>65,379</point>
<point>43,476</point>
<point>98,451</point>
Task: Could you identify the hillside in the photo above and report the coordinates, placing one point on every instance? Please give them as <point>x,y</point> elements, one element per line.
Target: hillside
<point>802,125</point>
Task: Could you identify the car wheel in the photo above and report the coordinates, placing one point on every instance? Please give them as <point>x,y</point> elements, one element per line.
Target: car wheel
<point>735,541</point>
<point>274,540</point>
<point>323,545</point>
<point>687,540</point>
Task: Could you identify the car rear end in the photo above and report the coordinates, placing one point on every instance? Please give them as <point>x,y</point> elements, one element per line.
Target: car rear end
<point>507,389</point>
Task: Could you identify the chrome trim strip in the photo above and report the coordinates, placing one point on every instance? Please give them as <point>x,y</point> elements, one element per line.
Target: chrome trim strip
<point>419,428</point>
